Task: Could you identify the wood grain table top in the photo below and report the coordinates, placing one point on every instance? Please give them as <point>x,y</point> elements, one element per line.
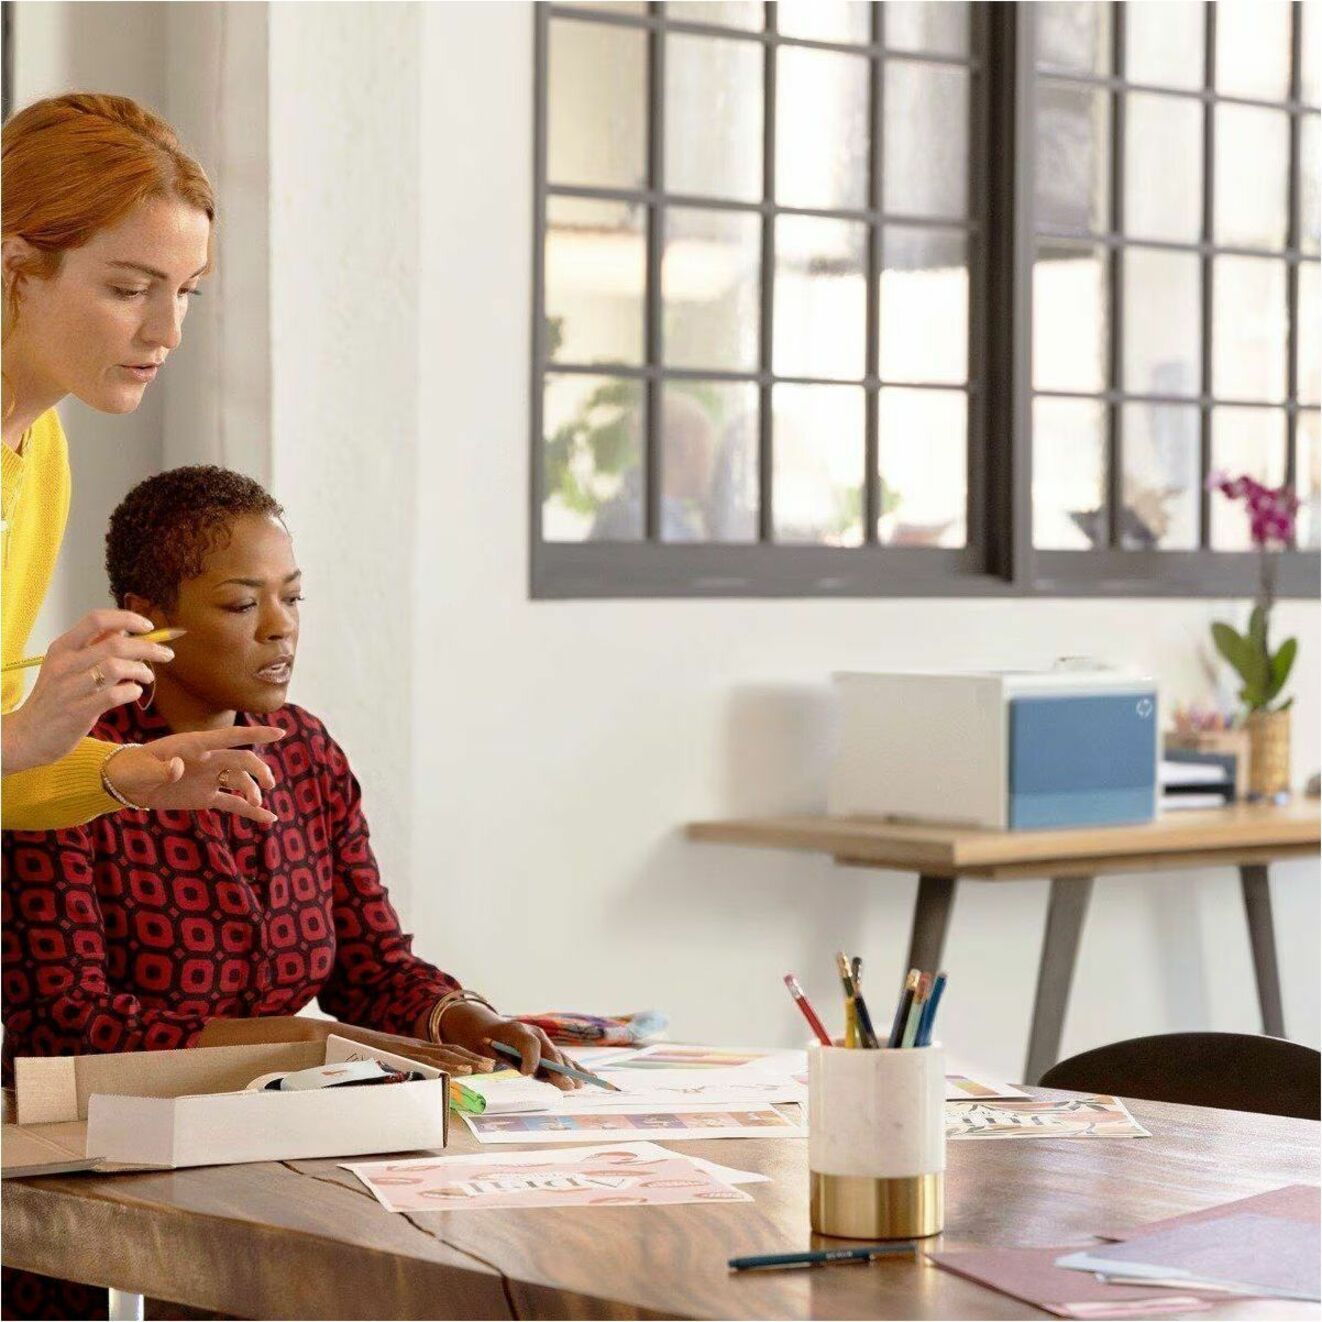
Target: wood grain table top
<point>1247,833</point>
<point>305,1239</point>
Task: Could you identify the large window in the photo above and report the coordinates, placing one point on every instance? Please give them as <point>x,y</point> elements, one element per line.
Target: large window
<point>839,298</point>
<point>1175,278</point>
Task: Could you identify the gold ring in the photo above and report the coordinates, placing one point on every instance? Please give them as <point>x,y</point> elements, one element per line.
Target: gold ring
<point>223,778</point>
<point>98,679</point>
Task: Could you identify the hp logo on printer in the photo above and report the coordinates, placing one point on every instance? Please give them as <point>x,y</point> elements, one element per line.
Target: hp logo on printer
<point>1144,708</point>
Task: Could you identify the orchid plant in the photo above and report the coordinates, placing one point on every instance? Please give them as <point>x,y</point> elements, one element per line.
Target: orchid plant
<point>1271,512</point>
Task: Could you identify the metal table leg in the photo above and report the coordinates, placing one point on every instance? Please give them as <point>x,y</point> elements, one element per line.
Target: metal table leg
<point>931,919</point>
<point>125,1306</point>
<point>1066,910</point>
<point>1256,885</point>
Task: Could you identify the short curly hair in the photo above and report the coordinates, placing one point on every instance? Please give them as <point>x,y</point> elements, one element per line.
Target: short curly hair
<point>162,532</point>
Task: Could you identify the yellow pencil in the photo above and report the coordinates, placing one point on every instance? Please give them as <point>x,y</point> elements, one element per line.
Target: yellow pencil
<point>156,636</point>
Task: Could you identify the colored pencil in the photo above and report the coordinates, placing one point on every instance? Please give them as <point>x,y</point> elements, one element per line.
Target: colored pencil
<point>808,1012</point>
<point>866,1034</point>
<point>824,1257</point>
<point>929,1011</point>
<point>554,1067</point>
<point>910,1037</point>
<point>902,1009</point>
<point>156,636</point>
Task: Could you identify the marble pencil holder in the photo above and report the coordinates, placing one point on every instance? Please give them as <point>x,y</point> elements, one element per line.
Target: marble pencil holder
<point>876,1141</point>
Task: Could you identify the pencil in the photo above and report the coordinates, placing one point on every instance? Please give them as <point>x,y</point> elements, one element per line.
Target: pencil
<point>926,1023</point>
<point>156,636</point>
<point>554,1067</point>
<point>916,1010</point>
<point>808,1012</point>
<point>902,1009</point>
<point>866,1035</point>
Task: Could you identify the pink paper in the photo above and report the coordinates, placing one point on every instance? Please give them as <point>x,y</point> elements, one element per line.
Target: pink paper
<point>608,1176</point>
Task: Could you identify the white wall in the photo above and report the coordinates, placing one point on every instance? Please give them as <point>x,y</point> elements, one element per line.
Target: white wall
<point>527,765</point>
<point>92,47</point>
<point>569,741</point>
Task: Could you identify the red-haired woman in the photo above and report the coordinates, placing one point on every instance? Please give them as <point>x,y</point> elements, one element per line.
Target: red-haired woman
<point>106,232</point>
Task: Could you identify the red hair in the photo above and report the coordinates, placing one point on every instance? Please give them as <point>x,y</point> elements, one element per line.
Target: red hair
<point>76,164</point>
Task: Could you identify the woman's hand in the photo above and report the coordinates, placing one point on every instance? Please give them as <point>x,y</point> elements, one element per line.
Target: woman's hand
<point>296,1028</point>
<point>473,1026</point>
<point>97,665</point>
<point>203,769</point>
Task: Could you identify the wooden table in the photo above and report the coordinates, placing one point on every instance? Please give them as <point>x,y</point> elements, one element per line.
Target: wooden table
<point>304,1239</point>
<point>1246,836</point>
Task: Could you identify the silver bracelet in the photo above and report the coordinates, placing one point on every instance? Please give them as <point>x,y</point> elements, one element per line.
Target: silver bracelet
<point>109,788</point>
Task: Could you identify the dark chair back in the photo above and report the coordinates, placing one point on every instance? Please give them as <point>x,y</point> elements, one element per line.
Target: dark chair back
<point>1235,1071</point>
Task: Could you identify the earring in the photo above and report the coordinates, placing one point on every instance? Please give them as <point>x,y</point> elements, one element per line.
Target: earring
<point>148,695</point>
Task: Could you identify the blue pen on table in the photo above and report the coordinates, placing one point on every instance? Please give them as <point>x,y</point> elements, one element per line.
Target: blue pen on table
<point>553,1067</point>
<point>824,1257</point>
<point>925,1024</point>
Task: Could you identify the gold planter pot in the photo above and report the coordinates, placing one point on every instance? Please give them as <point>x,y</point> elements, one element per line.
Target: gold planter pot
<point>1269,753</point>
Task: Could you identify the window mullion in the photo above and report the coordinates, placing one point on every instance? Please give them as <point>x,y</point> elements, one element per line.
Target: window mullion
<point>765,474</point>
<point>1115,277</point>
<point>1206,270</point>
<point>652,457</point>
<point>875,260</point>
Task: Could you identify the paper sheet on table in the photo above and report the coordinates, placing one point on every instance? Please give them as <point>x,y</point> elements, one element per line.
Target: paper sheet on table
<point>679,1124</point>
<point>612,1175</point>
<point>1260,1255</point>
<point>1075,1117</point>
<point>971,1087</point>
<point>671,1055</point>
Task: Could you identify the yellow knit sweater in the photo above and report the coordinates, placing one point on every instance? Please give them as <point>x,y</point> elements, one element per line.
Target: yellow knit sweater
<point>35,506</point>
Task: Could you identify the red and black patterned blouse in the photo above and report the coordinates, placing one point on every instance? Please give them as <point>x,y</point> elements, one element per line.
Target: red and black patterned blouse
<point>130,933</point>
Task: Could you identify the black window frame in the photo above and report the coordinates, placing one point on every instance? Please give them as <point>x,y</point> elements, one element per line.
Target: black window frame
<point>999,558</point>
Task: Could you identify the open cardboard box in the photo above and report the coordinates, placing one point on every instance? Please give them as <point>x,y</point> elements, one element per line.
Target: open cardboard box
<point>147,1110</point>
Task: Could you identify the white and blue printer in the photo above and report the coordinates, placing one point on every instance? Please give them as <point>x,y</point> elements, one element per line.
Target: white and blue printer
<point>1073,745</point>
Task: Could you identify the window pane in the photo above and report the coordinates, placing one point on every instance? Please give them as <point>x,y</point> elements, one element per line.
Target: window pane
<point>1163,321</point>
<point>1308,348</point>
<point>724,13</point>
<point>939,26</point>
<point>1310,203</point>
<point>1164,44</point>
<point>596,272</point>
<point>822,138</point>
<point>611,6</point>
<point>1248,441</point>
<point>709,461</point>
<point>713,117</point>
<point>1251,176</point>
<point>1163,167</point>
<point>710,288</point>
<point>592,479</point>
<point>925,140</point>
<point>1075,35</point>
<point>1071,319</point>
<point>1248,328</point>
<point>922,446</point>
<point>596,113</point>
<point>1308,479</point>
<point>1069,474</point>
<point>817,446</point>
<point>820,298</point>
<point>1253,48</point>
<point>1073,158</point>
<point>1160,444</point>
<point>825,20</point>
<point>924,305</point>
<point>1308,55</point>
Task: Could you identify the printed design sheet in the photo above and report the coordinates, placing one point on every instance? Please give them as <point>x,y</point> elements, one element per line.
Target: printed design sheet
<point>621,1175</point>
<point>1078,1117</point>
<point>678,1123</point>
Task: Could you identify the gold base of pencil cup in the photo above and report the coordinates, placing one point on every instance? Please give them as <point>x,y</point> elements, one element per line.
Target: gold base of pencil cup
<point>865,1207</point>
